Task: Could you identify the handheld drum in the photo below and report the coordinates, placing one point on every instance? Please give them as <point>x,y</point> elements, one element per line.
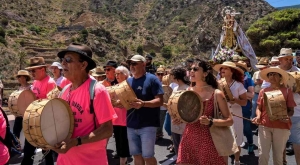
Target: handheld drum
<point>186,106</point>
<point>18,101</point>
<point>125,94</point>
<point>48,122</point>
<point>293,81</point>
<point>225,89</point>
<point>166,79</point>
<point>114,97</point>
<point>167,92</point>
<point>54,93</point>
<point>275,105</point>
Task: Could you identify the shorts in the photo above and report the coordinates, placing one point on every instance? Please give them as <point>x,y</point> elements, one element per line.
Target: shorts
<point>295,130</point>
<point>142,141</point>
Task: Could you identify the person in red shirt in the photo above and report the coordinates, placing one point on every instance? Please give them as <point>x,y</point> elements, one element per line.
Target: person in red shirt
<point>4,154</point>
<point>273,133</point>
<point>41,85</point>
<point>91,129</point>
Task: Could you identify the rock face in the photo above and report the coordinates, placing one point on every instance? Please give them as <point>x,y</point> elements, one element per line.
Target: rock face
<point>115,28</point>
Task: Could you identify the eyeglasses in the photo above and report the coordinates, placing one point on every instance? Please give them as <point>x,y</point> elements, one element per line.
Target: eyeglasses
<point>34,70</point>
<point>160,74</point>
<point>133,63</point>
<point>272,74</point>
<point>195,69</point>
<point>108,69</point>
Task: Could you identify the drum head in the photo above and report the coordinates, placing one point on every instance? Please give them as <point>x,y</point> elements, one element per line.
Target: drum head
<point>167,93</point>
<point>190,106</point>
<point>57,122</point>
<point>25,98</point>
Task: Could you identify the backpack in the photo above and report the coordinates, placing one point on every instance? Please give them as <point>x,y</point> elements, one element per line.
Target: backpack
<point>10,141</point>
<point>92,95</point>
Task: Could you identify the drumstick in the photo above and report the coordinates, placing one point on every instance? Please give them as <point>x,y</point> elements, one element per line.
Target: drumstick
<point>241,117</point>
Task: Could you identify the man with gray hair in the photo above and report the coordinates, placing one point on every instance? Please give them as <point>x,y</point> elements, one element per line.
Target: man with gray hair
<point>143,118</point>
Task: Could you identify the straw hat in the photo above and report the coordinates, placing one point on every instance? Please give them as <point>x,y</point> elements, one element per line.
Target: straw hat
<point>228,64</point>
<point>23,73</point>
<point>160,70</point>
<point>264,73</point>
<point>274,59</point>
<point>243,65</point>
<point>261,66</point>
<point>98,72</point>
<point>285,52</point>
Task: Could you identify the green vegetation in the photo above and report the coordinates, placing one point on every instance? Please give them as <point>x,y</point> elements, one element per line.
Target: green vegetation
<point>152,53</point>
<point>4,22</point>
<point>166,52</point>
<point>2,36</point>
<point>140,50</point>
<point>275,31</point>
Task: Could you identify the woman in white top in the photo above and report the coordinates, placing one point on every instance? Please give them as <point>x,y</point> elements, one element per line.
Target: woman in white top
<point>234,77</point>
<point>179,76</point>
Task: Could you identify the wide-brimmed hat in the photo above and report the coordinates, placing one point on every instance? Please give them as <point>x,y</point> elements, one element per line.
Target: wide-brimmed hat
<point>243,65</point>
<point>111,63</point>
<point>263,61</point>
<point>160,70</point>
<point>137,58</point>
<point>283,73</point>
<point>84,51</point>
<point>36,62</point>
<point>98,72</point>
<point>261,66</point>
<point>274,59</point>
<point>23,73</point>
<point>57,64</point>
<point>228,64</point>
<point>285,52</point>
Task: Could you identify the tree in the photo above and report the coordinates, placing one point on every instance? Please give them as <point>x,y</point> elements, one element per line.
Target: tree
<point>140,50</point>
<point>21,56</point>
<point>152,53</point>
<point>166,52</point>
<point>275,31</point>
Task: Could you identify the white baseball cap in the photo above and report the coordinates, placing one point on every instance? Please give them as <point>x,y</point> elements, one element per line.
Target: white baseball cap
<point>57,64</point>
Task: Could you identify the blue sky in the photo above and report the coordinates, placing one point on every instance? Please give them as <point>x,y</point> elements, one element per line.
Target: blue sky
<point>280,3</point>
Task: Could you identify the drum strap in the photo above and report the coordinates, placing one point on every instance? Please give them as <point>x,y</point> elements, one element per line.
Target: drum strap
<point>92,94</point>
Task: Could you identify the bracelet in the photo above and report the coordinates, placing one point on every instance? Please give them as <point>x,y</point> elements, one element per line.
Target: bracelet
<point>211,122</point>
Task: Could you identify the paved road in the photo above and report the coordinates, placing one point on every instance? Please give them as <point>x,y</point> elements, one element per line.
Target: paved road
<point>163,156</point>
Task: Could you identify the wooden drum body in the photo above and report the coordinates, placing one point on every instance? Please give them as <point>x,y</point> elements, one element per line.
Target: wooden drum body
<point>275,105</point>
<point>166,80</point>
<point>48,122</point>
<point>293,81</point>
<point>225,88</point>
<point>125,94</point>
<point>186,106</point>
<point>18,101</point>
<point>113,97</point>
<point>54,93</point>
<point>167,92</point>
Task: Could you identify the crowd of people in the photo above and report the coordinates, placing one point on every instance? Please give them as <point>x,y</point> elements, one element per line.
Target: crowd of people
<point>136,130</point>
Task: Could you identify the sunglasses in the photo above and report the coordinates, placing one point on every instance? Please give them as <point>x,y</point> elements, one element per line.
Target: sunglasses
<point>133,63</point>
<point>66,59</point>
<point>160,74</point>
<point>195,69</point>
<point>108,69</point>
<point>34,70</point>
<point>273,74</point>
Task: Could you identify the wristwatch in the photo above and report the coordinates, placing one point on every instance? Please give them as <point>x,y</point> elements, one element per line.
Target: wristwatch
<point>78,141</point>
<point>211,122</point>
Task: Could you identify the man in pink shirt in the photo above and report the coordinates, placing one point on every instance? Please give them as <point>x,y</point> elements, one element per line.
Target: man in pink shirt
<point>41,85</point>
<point>87,145</point>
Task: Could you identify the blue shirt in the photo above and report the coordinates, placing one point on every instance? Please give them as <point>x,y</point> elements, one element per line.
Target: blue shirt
<point>247,83</point>
<point>145,88</point>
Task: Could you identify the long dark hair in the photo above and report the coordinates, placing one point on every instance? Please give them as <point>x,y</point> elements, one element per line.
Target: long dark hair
<point>210,78</point>
<point>179,73</point>
<point>237,76</point>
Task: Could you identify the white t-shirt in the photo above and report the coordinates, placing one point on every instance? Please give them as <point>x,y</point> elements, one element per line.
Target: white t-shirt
<point>236,89</point>
<point>297,101</point>
<point>178,128</point>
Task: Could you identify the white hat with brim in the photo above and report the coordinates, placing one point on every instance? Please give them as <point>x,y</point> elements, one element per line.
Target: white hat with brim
<point>56,64</point>
<point>264,74</point>
<point>285,52</point>
<point>228,64</point>
<point>137,58</point>
<point>261,66</point>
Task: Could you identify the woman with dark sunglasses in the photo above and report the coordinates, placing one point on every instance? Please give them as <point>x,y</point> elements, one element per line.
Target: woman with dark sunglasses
<point>273,133</point>
<point>196,146</point>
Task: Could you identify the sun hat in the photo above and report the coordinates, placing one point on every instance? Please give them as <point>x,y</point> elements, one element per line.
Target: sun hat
<point>264,73</point>
<point>84,51</point>
<point>228,64</point>
<point>36,62</point>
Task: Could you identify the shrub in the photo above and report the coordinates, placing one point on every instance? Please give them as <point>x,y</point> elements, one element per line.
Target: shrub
<point>2,32</point>
<point>3,41</point>
<point>140,50</point>
<point>166,52</point>
<point>4,21</point>
<point>152,53</point>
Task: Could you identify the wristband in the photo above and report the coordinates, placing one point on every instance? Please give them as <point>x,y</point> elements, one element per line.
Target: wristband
<point>78,141</point>
<point>211,122</point>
